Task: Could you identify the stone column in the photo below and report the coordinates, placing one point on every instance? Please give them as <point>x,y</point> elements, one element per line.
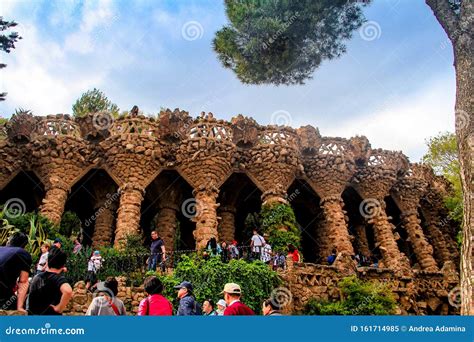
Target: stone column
<point>335,231</point>
<point>206,215</point>
<point>103,230</point>
<point>384,237</point>
<point>275,195</point>
<point>54,201</point>
<point>227,223</point>
<point>361,240</point>
<point>421,247</point>
<point>441,250</point>
<point>166,224</point>
<point>128,215</point>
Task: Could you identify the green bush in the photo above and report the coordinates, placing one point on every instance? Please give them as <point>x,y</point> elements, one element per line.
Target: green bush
<point>358,298</point>
<point>279,221</point>
<point>70,225</point>
<point>208,277</point>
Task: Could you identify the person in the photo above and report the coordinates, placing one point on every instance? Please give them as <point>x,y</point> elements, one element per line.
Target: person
<point>221,305</point>
<point>208,308</point>
<point>15,265</point>
<point>234,251</point>
<point>57,243</point>
<point>77,246</point>
<point>266,256</point>
<point>43,260</point>
<point>332,257</point>
<point>157,252</point>
<point>212,247</point>
<point>293,253</point>
<point>107,303</point>
<point>374,262</point>
<point>256,243</point>
<point>155,304</point>
<point>235,307</point>
<point>93,266</point>
<point>270,308</point>
<point>224,251</point>
<point>50,292</point>
<point>188,306</point>
<point>279,261</point>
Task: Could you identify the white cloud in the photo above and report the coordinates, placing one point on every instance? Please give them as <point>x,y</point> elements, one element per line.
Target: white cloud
<point>404,124</point>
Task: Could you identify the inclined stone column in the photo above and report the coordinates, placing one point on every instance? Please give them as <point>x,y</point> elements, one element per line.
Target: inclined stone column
<point>384,237</point>
<point>441,251</point>
<point>55,200</point>
<point>166,224</point>
<point>407,193</point>
<point>335,233</point>
<point>227,223</point>
<point>206,215</point>
<point>361,240</point>
<point>104,222</point>
<point>128,214</point>
<point>421,247</point>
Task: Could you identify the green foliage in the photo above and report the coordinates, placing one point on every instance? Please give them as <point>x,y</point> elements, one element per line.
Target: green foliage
<point>443,157</point>
<point>283,42</point>
<point>94,101</point>
<point>7,42</point>
<point>358,298</point>
<point>279,221</point>
<point>208,277</point>
<point>70,224</point>
<point>22,223</point>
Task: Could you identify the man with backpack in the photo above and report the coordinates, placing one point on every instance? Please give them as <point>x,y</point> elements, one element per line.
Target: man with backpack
<point>188,306</point>
<point>256,243</point>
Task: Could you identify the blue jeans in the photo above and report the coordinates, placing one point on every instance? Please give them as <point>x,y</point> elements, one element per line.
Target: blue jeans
<point>154,259</point>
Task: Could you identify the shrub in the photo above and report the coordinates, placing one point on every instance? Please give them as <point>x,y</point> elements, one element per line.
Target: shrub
<point>70,225</point>
<point>358,298</point>
<point>209,277</point>
<point>279,221</point>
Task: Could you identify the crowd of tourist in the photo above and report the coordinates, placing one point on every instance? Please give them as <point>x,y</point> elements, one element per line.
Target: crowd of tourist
<point>49,293</point>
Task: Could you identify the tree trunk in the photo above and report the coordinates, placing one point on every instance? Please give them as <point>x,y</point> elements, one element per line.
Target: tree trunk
<point>460,29</point>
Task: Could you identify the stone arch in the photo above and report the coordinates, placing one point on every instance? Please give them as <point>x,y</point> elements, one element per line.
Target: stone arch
<point>168,207</point>
<point>363,233</point>
<point>309,216</point>
<point>239,197</point>
<point>25,186</point>
<point>401,235</point>
<point>94,199</point>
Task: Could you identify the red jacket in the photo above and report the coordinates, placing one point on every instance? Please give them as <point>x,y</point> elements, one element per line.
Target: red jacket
<point>238,309</point>
<point>155,305</point>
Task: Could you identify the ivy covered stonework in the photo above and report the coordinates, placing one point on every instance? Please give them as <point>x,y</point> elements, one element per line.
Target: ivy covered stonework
<point>279,222</point>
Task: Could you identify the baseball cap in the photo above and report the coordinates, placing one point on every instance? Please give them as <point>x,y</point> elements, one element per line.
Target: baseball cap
<point>58,240</point>
<point>184,284</point>
<point>232,288</point>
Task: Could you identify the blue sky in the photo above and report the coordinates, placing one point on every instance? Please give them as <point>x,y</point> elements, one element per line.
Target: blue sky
<point>397,86</point>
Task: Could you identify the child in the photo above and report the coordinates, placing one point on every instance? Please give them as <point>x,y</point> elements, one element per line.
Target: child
<point>43,260</point>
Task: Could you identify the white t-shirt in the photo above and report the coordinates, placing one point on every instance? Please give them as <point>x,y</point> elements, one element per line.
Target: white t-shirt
<point>258,242</point>
<point>42,261</point>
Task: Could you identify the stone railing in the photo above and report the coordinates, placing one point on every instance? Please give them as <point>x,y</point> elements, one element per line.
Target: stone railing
<point>57,125</point>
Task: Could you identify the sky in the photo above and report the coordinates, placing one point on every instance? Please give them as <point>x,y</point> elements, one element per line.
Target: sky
<point>395,84</point>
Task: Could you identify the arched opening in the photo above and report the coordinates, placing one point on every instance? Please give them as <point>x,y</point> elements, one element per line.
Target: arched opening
<point>169,190</point>
<point>393,212</point>
<point>26,187</point>
<point>309,216</point>
<point>364,239</point>
<point>95,189</point>
<point>242,198</point>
